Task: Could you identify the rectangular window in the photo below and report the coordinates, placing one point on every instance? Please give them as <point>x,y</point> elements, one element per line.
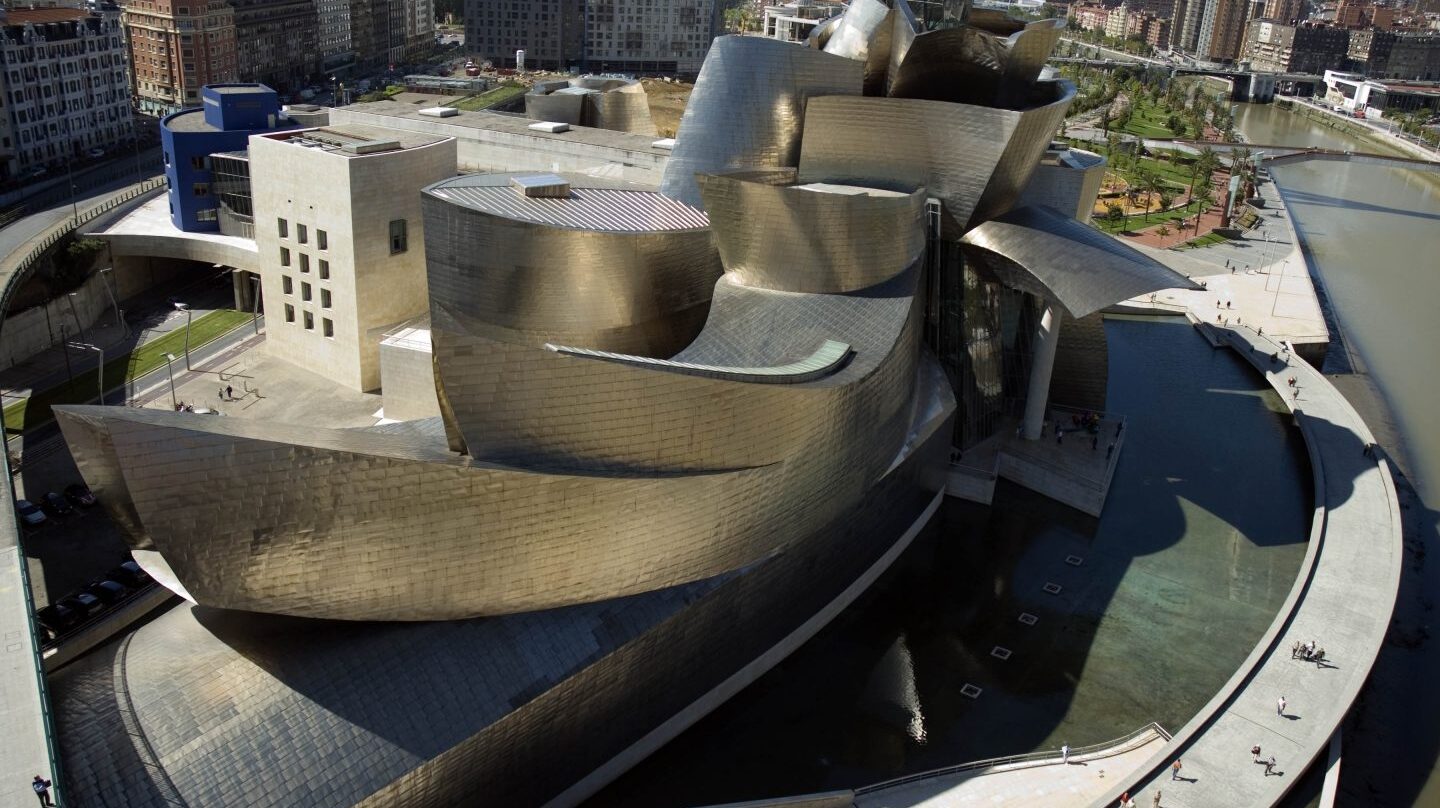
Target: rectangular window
<point>398,241</point>
<point>286,285</point>
<point>321,239</point>
<point>305,291</point>
<point>304,262</point>
<point>289,313</point>
<point>324,298</point>
<point>327,327</point>
<point>324,270</point>
<point>309,321</point>
<point>302,233</point>
<point>207,215</point>
<point>284,256</point>
<point>201,189</point>
<point>284,228</point>
<point>197,163</point>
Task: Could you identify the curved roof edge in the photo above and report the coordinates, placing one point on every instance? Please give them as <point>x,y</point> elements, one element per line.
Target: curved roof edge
<point>823,360</point>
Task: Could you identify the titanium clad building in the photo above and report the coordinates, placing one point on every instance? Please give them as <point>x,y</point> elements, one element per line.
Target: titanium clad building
<point>678,433</point>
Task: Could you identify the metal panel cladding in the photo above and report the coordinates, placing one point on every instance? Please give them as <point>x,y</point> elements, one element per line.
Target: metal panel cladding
<point>975,159</point>
<point>748,108</point>
<point>794,239</point>
<point>1052,256</point>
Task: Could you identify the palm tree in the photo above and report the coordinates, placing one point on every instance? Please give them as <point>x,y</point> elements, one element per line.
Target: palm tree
<point>1162,231</point>
<point>1154,185</point>
<point>1203,166</point>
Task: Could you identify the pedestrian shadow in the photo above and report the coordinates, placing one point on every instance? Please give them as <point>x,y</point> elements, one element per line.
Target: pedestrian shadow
<point>1290,716</point>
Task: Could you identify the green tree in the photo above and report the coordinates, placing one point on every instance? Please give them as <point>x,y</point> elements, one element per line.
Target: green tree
<point>1114,212</point>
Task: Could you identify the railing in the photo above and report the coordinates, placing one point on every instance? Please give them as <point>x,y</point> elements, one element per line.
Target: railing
<point>1014,760</point>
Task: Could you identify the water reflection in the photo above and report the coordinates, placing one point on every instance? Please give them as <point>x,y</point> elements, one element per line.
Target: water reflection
<point>1196,549</point>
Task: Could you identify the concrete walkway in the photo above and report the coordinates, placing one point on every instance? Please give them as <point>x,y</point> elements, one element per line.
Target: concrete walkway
<point>1032,783</point>
<point>1342,599</point>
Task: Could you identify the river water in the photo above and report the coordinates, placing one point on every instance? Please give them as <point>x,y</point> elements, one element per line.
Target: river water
<point>1373,236</point>
<point>1197,547</point>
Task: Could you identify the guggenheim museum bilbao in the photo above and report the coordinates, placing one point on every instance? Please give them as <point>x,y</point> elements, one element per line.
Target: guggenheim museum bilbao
<point>679,429</point>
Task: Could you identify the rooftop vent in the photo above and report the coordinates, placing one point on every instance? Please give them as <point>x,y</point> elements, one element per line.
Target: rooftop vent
<point>440,112</point>
<point>550,126</point>
<point>371,146</point>
<point>542,186</point>
<point>666,143</point>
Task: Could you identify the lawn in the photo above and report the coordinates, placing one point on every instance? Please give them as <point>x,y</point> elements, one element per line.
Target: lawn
<point>1140,221</point>
<point>35,410</point>
<point>1204,241</point>
<point>1148,120</point>
<point>489,98</point>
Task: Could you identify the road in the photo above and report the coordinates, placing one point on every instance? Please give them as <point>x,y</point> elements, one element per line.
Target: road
<point>19,235</point>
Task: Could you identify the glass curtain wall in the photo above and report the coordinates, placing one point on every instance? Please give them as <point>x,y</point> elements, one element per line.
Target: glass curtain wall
<point>232,186</point>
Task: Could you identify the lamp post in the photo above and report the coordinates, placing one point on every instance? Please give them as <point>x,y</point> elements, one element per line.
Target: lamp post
<point>108,272</point>
<point>185,307</point>
<point>170,357</point>
<point>99,369</point>
<point>79,326</point>
<point>65,346</point>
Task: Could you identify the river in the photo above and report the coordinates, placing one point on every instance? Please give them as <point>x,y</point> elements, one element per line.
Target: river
<point>1373,236</point>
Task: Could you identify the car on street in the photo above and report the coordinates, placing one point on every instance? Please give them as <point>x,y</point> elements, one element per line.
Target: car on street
<point>29,513</point>
<point>130,574</point>
<point>57,618</point>
<point>55,505</point>
<point>96,152</point>
<point>107,591</point>
<point>82,604</point>
<point>79,494</point>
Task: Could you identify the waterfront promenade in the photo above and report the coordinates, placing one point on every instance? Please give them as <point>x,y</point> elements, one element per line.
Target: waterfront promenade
<point>1342,599</point>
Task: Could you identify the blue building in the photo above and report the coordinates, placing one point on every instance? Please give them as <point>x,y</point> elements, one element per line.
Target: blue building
<point>231,113</point>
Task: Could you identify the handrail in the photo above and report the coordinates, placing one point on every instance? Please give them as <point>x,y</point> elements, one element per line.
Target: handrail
<point>1010,760</point>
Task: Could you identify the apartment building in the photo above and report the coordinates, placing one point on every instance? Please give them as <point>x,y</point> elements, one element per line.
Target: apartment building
<point>1275,47</point>
<point>176,47</point>
<point>595,35</point>
<point>277,42</point>
<point>63,86</point>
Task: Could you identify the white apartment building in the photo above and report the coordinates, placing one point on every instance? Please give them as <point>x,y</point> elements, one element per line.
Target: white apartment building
<point>341,243</point>
<point>64,84</point>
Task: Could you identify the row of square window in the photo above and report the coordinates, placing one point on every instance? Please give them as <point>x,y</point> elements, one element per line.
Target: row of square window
<point>327,327</point>
<point>305,263</point>
<point>288,287</point>
<point>302,234</point>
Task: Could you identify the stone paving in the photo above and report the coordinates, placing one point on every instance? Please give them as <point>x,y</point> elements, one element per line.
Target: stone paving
<point>1342,600</point>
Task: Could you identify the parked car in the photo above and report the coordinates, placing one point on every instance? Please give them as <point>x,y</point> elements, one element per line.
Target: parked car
<point>96,152</point>
<point>107,591</point>
<point>79,494</point>
<point>130,574</point>
<point>82,604</point>
<point>57,618</point>
<point>55,505</point>
<point>29,514</point>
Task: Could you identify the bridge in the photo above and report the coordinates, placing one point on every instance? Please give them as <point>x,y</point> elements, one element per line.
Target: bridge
<point>1276,154</point>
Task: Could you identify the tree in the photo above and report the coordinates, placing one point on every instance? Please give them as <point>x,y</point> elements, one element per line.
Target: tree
<point>1153,185</point>
<point>1167,197</point>
<point>1162,231</point>
<point>1203,167</point>
<point>1114,212</point>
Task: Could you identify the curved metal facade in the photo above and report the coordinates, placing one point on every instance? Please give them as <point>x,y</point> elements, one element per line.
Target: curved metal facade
<point>748,108</point>
<point>603,103</point>
<point>794,239</point>
<point>976,160</point>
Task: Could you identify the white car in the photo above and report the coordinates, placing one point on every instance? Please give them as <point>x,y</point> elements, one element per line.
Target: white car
<point>29,513</point>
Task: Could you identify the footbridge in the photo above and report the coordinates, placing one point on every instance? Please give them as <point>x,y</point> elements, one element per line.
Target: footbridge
<point>1277,154</point>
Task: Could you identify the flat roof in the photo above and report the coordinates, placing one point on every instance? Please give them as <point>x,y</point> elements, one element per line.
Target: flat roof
<point>335,138</point>
<point>593,204</point>
<point>40,16</point>
<point>190,120</point>
<point>238,89</point>
<point>510,124</point>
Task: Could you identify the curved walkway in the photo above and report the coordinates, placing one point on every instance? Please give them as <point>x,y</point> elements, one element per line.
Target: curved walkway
<point>1342,598</point>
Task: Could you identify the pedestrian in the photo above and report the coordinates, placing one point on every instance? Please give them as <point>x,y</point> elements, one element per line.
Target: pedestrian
<point>221,394</point>
<point>1270,766</point>
<point>1059,436</point>
<point>1125,801</point>
<point>229,392</point>
<point>1155,800</point>
<point>1229,304</point>
<point>1119,427</point>
<point>1255,752</point>
<point>1065,754</point>
<point>42,790</point>
<point>1094,442</point>
<point>1175,769</point>
<point>1217,304</point>
<point>1280,705</point>
<point>1109,451</point>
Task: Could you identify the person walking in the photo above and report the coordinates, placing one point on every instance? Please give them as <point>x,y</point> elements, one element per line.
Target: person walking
<point>1255,752</point>
<point>229,392</point>
<point>1175,769</point>
<point>1270,766</point>
<point>1155,799</point>
<point>42,790</point>
<point>1109,451</point>
<point>1065,754</point>
<point>1094,442</point>
<point>1280,705</point>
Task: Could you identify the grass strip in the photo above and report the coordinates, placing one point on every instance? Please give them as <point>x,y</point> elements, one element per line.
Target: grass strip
<point>489,98</point>
<point>35,410</point>
<point>1138,219</point>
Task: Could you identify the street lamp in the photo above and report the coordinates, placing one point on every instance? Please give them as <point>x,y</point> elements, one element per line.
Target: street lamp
<point>70,298</point>
<point>99,369</point>
<point>110,288</point>
<point>185,307</point>
<point>170,357</point>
